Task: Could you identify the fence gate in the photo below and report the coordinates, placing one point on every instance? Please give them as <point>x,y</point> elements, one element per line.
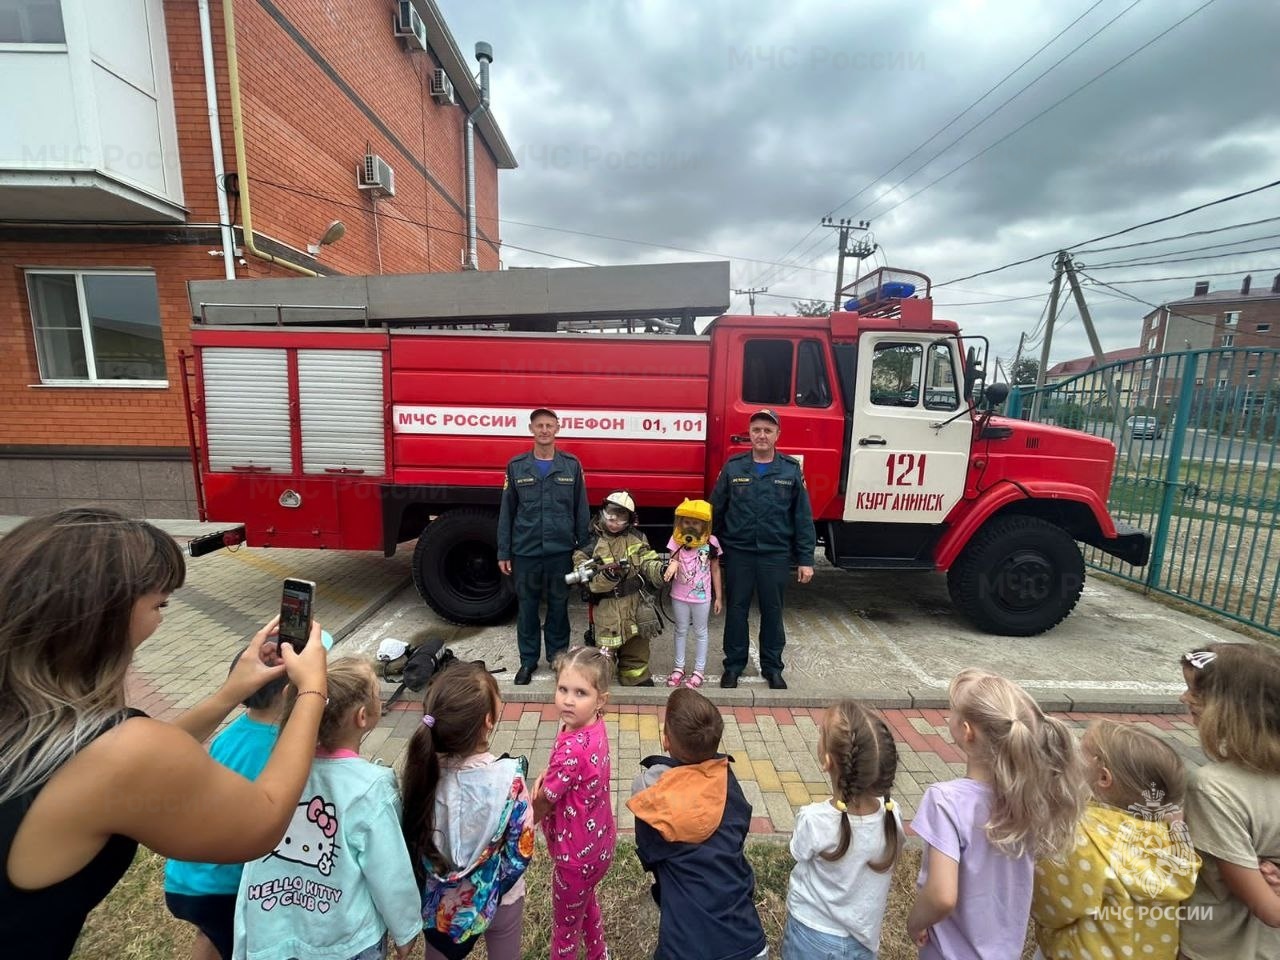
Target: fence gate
<point>1196,436</point>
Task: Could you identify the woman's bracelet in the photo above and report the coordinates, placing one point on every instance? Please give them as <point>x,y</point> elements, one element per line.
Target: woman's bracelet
<point>318,693</point>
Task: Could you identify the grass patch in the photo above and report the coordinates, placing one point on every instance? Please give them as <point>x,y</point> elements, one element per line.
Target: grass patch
<point>133,924</point>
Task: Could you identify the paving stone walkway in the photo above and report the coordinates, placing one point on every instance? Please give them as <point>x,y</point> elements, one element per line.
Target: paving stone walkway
<point>775,749</point>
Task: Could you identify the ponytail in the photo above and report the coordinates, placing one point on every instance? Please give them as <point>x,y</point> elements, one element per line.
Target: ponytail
<point>455,711</point>
<point>1038,777</point>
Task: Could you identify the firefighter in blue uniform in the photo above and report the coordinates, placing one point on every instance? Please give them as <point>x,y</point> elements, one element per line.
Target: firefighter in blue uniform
<point>543,518</point>
<point>764,523</point>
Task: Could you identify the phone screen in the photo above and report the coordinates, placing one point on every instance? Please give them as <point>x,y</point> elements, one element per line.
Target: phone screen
<point>295,612</point>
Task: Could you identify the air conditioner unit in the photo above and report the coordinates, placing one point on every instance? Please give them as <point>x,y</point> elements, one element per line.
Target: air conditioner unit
<point>410,26</point>
<point>441,86</point>
<point>376,175</point>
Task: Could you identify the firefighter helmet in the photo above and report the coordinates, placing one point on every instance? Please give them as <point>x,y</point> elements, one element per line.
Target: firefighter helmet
<point>620,500</point>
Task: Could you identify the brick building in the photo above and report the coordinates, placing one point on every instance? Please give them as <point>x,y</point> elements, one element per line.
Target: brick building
<point>112,197</point>
<point>1241,322</point>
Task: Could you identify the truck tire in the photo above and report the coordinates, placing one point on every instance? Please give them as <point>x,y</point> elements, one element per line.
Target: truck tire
<point>455,568</point>
<point>1018,576</point>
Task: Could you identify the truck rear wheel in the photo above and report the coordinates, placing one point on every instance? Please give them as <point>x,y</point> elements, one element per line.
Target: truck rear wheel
<point>1018,576</point>
<point>455,568</point>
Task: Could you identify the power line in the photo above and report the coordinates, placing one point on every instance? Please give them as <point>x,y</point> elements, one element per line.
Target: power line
<point>1052,106</point>
<point>1173,253</point>
<point>1194,276</point>
<point>1121,264</point>
<point>1178,236</point>
<point>937,133</point>
<point>1126,295</point>
<point>646,243</point>
<point>1117,233</point>
<point>417,223</point>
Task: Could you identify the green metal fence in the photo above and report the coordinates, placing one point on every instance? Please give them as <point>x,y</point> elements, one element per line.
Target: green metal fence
<point>1196,435</point>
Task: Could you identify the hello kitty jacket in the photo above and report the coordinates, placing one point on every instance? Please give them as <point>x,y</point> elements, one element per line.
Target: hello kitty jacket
<point>339,878</point>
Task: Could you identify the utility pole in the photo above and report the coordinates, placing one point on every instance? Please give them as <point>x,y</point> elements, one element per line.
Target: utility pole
<point>1017,357</point>
<point>1048,333</point>
<point>863,249</point>
<point>751,296</point>
<point>1087,319</point>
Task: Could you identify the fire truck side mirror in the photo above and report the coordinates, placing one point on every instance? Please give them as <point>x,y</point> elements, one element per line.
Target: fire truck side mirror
<point>996,394</point>
<point>973,371</point>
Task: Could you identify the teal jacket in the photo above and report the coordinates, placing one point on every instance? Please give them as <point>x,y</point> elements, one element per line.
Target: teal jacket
<point>766,514</point>
<point>542,516</point>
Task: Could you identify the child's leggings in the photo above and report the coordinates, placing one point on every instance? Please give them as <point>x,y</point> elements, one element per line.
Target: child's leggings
<point>576,912</point>
<point>698,614</point>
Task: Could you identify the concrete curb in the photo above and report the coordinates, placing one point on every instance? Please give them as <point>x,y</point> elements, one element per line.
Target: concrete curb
<point>357,619</point>
<point>1053,702</point>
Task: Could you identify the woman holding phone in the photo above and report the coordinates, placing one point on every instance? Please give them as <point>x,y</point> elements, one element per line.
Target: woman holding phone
<point>83,779</point>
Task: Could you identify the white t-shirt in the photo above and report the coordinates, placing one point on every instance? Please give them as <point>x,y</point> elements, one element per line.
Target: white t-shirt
<point>845,897</point>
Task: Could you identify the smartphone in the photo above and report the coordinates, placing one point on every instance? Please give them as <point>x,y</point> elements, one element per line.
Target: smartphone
<point>296,603</point>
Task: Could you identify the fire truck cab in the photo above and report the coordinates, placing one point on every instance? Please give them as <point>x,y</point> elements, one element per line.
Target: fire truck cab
<point>338,428</point>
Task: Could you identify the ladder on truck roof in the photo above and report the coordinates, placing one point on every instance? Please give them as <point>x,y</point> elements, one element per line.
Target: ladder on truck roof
<point>636,298</point>
<point>881,292</point>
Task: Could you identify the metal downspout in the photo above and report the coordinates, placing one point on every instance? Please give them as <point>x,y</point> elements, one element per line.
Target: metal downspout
<point>237,128</point>
<point>215,137</point>
<point>484,53</point>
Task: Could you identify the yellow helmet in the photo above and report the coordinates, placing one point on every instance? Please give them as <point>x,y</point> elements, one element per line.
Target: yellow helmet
<point>696,510</point>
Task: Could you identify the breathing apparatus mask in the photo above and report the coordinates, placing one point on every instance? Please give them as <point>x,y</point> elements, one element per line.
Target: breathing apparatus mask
<point>693,510</point>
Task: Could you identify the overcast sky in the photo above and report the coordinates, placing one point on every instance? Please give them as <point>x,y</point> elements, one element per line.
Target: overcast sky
<point>733,127</point>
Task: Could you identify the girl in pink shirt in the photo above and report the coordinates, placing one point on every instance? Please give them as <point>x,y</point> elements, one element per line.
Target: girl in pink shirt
<point>571,801</point>
<point>694,575</point>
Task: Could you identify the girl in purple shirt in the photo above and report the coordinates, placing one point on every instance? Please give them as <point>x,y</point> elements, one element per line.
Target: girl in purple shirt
<point>571,800</point>
<point>1024,788</point>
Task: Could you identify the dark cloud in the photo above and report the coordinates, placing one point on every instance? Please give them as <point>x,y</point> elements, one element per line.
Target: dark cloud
<point>733,128</point>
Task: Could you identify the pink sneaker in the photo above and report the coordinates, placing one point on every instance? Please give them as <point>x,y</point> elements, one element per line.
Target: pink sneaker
<point>676,676</point>
<point>695,680</point>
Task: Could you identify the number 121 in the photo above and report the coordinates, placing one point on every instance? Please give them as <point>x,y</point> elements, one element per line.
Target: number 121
<point>901,466</point>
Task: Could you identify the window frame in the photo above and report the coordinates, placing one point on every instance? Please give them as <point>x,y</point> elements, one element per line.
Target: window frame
<point>885,345</point>
<point>791,345</point>
<point>1231,318</point>
<point>93,381</point>
<point>1263,328</point>
<point>39,46</point>
<point>819,356</point>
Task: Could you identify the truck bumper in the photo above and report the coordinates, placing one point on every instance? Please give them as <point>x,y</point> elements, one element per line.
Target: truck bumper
<point>1130,544</point>
<point>199,546</point>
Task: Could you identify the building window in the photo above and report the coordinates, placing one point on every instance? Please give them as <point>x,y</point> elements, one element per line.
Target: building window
<point>1231,317</point>
<point>92,326</point>
<point>1146,383</point>
<point>1222,383</point>
<point>1229,340</point>
<point>31,21</point>
<point>1252,373</point>
<point>1263,327</point>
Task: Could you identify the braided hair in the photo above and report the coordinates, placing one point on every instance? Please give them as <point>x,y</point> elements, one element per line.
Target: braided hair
<point>862,761</point>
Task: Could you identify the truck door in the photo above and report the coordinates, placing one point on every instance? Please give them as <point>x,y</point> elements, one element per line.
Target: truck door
<point>905,466</point>
<point>791,373</point>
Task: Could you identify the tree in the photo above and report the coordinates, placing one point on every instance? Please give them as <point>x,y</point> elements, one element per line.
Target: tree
<point>811,308</point>
<point>1025,372</point>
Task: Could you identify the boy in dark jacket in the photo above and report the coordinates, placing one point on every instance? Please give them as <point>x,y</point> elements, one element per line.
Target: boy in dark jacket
<point>691,828</point>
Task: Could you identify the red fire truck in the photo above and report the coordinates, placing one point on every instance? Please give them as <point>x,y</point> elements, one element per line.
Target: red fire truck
<point>368,433</point>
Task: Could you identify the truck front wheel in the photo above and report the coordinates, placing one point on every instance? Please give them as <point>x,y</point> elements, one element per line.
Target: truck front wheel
<point>455,568</point>
<point>1018,576</point>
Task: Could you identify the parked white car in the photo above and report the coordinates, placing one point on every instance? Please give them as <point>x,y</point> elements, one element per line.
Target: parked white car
<point>1144,428</point>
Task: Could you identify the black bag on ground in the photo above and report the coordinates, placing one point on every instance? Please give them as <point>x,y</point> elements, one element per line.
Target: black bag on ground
<point>425,662</point>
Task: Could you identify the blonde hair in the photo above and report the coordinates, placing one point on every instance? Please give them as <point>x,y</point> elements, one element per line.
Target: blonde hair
<point>595,664</point>
<point>1140,764</point>
<point>864,763</point>
<point>351,685</point>
<point>1040,784</point>
<point>1239,693</point>
<point>69,582</point>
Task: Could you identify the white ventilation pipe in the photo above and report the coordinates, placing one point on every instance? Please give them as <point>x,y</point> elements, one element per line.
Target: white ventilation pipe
<point>484,53</point>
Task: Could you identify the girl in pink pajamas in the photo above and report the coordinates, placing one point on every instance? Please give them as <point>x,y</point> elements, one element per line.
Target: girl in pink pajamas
<point>571,801</point>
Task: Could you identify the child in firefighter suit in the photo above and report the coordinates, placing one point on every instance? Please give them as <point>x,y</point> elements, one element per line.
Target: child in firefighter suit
<point>625,618</point>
